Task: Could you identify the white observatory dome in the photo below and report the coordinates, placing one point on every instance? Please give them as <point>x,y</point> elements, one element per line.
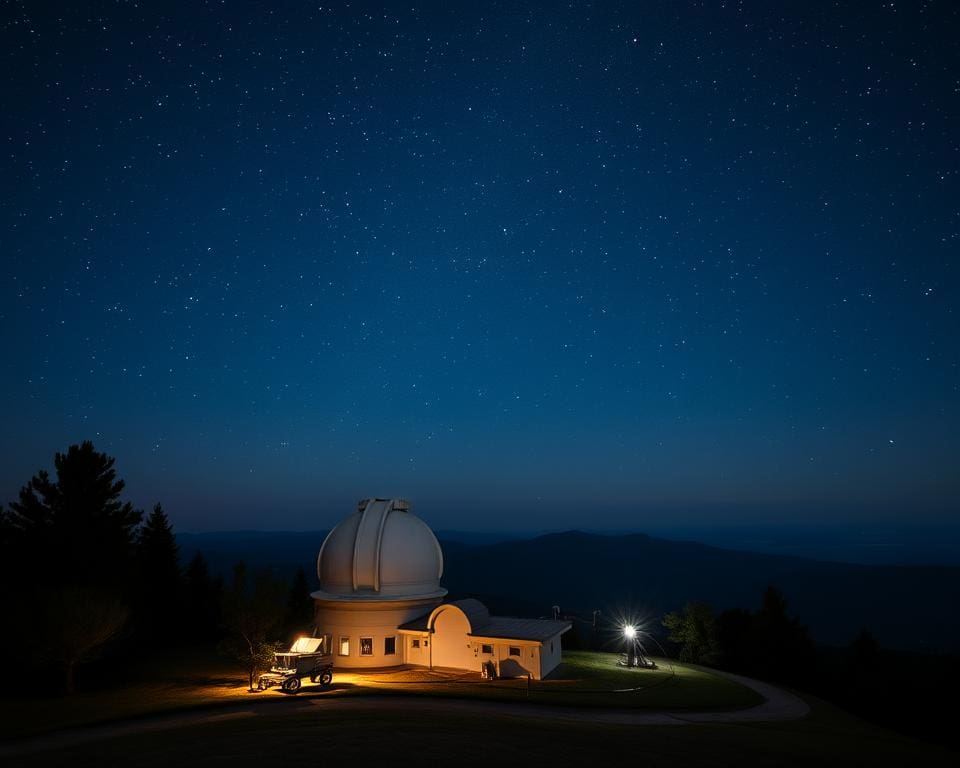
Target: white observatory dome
<point>381,551</point>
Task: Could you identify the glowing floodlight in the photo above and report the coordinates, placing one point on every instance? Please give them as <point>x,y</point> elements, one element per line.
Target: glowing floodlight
<point>630,631</point>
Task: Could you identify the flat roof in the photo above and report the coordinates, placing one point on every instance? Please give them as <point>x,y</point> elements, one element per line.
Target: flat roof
<point>521,629</point>
<point>482,624</point>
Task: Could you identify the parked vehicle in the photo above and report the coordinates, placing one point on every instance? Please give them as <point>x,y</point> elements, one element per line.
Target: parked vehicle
<point>306,658</point>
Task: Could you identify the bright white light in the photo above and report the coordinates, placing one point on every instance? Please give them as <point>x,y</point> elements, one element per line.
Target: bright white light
<point>630,631</point>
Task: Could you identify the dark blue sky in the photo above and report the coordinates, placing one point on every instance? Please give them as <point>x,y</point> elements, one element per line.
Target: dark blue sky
<point>528,265</point>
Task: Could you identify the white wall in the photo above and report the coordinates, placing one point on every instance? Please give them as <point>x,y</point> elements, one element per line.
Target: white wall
<point>527,663</point>
<point>451,646</point>
<point>377,621</point>
<point>421,655</point>
<point>448,646</point>
<point>550,658</point>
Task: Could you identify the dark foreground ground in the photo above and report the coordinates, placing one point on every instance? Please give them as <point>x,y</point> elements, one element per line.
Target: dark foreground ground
<point>399,730</point>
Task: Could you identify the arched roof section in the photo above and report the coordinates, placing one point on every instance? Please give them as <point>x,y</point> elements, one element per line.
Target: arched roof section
<point>474,611</point>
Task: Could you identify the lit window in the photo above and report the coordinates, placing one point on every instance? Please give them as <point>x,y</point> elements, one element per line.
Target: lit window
<point>366,646</point>
<point>414,642</point>
<point>344,646</point>
<point>514,650</point>
<point>389,646</point>
<point>486,649</point>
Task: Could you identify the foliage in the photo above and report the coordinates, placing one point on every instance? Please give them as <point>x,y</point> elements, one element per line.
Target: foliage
<point>157,549</point>
<point>695,630</point>
<point>299,618</point>
<point>864,651</point>
<point>203,597</point>
<point>77,622</point>
<point>767,643</point>
<point>75,528</point>
<point>253,612</point>
<point>159,578</point>
<point>72,529</point>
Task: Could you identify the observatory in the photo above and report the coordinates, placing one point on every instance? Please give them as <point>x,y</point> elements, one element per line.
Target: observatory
<point>380,603</point>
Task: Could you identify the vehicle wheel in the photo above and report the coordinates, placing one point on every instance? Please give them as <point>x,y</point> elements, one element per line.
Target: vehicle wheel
<point>326,677</point>
<point>291,684</point>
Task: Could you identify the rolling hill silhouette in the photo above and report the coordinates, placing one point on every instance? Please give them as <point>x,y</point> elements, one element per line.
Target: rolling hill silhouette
<point>905,607</point>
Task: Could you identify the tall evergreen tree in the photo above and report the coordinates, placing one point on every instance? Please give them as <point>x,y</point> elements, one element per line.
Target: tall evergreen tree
<point>76,528</point>
<point>158,600</point>
<point>769,643</point>
<point>299,619</point>
<point>70,544</point>
<point>202,601</point>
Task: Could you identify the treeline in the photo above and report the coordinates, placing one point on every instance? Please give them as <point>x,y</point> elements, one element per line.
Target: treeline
<point>766,643</point>
<point>891,688</point>
<point>87,576</point>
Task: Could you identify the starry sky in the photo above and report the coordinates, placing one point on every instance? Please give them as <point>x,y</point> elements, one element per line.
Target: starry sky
<point>529,265</point>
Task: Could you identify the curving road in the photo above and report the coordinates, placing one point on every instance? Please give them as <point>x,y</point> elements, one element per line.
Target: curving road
<point>778,705</point>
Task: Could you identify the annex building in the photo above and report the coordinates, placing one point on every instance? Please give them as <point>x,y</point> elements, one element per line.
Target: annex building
<point>380,604</point>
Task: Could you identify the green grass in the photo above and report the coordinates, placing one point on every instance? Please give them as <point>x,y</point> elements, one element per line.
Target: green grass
<point>181,681</point>
<point>585,679</point>
<point>594,679</point>
<point>318,734</point>
<point>203,679</point>
<point>311,730</point>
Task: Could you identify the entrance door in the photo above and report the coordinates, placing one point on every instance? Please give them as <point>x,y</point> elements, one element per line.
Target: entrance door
<point>451,646</point>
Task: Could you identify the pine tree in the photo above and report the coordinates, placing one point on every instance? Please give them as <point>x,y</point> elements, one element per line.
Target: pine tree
<point>202,601</point>
<point>70,544</point>
<point>75,529</point>
<point>299,619</point>
<point>253,613</point>
<point>158,561</point>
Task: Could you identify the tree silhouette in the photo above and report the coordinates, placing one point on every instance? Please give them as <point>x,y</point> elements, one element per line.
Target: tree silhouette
<point>203,600</point>
<point>253,612</point>
<point>158,564</point>
<point>696,631</point>
<point>68,543</point>
<point>299,619</point>
<point>75,529</point>
<point>78,621</point>
<point>769,643</point>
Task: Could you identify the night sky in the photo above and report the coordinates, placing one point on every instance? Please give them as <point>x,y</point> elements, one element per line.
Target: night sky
<point>529,265</point>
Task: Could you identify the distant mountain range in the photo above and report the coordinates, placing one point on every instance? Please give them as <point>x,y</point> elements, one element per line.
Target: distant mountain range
<point>906,607</point>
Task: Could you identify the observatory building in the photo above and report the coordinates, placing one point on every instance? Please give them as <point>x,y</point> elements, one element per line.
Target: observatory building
<point>380,604</point>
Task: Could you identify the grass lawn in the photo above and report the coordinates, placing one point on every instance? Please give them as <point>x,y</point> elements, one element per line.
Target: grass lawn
<point>199,679</point>
<point>194,679</point>
<point>312,730</point>
<point>385,733</point>
<point>594,679</point>
<point>585,679</point>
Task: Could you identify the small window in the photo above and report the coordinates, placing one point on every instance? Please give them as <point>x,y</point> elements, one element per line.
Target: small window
<point>344,646</point>
<point>366,646</point>
<point>486,649</point>
<point>514,650</point>
<point>551,646</point>
<point>389,646</point>
<point>414,642</point>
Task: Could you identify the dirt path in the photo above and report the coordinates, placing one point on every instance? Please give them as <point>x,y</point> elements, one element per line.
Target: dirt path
<point>778,705</point>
